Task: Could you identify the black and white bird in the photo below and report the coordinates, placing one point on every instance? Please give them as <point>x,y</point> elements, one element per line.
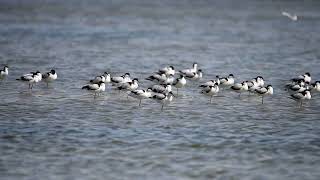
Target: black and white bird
<point>106,78</point>
<point>226,81</point>
<point>169,80</point>
<point>193,75</point>
<point>4,73</point>
<point>253,85</point>
<point>116,81</point>
<point>50,76</point>
<point>315,86</point>
<point>264,91</point>
<point>301,96</point>
<point>163,98</point>
<point>194,69</point>
<point>169,70</point>
<point>298,87</point>
<point>260,81</point>
<point>306,77</point>
<point>210,90</point>
<point>129,86</point>
<point>179,82</point>
<point>95,88</point>
<point>165,88</point>
<point>209,83</point>
<point>240,87</point>
<point>141,94</point>
<point>31,79</point>
<point>157,77</point>
<point>295,84</point>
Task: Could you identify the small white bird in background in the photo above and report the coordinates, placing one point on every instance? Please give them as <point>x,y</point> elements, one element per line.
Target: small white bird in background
<point>96,88</point>
<point>4,73</point>
<point>194,69</point>
<point>49,77</point>
<point>293,17</point>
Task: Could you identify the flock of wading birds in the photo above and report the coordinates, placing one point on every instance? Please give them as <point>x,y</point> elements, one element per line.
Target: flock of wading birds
<point>300,88</point>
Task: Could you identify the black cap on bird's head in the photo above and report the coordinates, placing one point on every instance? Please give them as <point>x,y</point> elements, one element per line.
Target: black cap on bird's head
<point>53,71</point>
<point>200,70</point>
<point>305,92</point>
<point>127,74</point>
<point>171,67</point>
<point>259,77</point>
<point>135,79</point>
<point>230,75</point>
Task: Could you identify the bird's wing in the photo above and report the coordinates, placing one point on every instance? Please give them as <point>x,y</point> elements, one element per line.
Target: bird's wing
<point>297,96</point>
<point>261,90</point>
<point>117,79</point>
<point>236,86</point>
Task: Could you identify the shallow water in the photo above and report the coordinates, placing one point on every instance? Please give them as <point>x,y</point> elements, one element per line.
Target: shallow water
<point>61,132</point>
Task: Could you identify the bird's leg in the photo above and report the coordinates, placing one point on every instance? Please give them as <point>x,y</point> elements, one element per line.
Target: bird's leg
<point>262,100</point>
<point>211,99</point>
<point>140,102</point>
<point>162,107</point>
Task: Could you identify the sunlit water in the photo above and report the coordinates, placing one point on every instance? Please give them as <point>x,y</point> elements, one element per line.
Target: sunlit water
<point>61,132</point>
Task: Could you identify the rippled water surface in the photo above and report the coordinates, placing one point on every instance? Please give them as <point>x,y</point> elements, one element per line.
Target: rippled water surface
<point>61,132</point>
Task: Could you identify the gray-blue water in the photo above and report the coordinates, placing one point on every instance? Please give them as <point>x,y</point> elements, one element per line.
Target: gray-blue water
<point>61,132</point>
